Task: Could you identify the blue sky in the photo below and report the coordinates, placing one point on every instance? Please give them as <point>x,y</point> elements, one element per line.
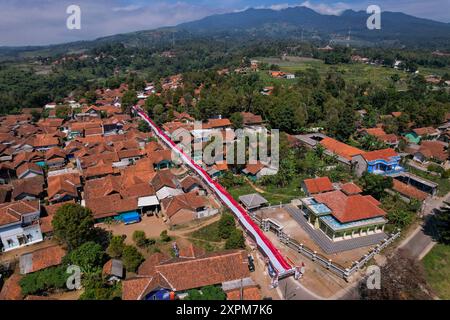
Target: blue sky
<point>38,22</point>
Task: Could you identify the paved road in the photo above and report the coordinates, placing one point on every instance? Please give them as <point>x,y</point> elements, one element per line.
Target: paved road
<point>291,289</point>
<point>421,241</point>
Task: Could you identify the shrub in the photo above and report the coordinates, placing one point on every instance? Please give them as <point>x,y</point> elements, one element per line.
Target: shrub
<point>435,168</point>
<point>44,280</point>
<point>131,258</point>
<point>207,293</point>
<point>226,225</point>
<point>139,238</point>
<point>236,240</point>
<point>116,247</point>
<point>164,236</point>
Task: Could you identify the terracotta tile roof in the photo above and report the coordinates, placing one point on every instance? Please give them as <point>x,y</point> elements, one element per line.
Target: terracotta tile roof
<point>183,116</point>
<point>434,149</point>
<point>50,122</point>
<point>385,154</point>
<point>217,123</point>
<point>29,167</point>
<point>62,185</point>
<point>111,205</point>
<point>425,131</point>
<point>221,166</point>
<point>164,178</point>
<point>318,185</point>
<point>248,293</point>
<point>350,188</point>
<point>409,191</point>
<point>101,169</point>
<point>340,148</point>
<point>55,153</point>
<point>349,208</point>
<point>159,156</point>
<point>32,186</point>
<point>190,201</point>
<point>11,289</point>
<point>147,268</point>
<point>136,288</point>
<point>41,259</point>
<point>208,270</point>
<point>44,140</point>
<point>192,252</point>
<point>254,168</point>
<point>190,181</point>
<point>396,114</point>
<point>173,126</point>
<point>27,157</point>
<point>377,132</point>
<point>11,212</point>
<point>250,118</point>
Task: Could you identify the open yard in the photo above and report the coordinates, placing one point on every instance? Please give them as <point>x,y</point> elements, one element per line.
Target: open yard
<point>273,194</point>
<point>437,269</point>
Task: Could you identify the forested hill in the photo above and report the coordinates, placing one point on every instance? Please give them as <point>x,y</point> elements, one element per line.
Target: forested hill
<point>397,30</point>
<point>396,27</point>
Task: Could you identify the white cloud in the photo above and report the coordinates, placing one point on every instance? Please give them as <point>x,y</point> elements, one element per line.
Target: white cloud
<point>332,9</point>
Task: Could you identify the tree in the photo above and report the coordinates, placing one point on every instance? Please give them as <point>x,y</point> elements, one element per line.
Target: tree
<point>131,258</point>
<point>402,278</point>
<point>89,257</point>
<point>44,280</point>
<point>140,238</point>
<point>143,126</point>
<point>237,120</point>
<point>164,236</point>
<point>73,225</point>
<point>443,224</point>
<point>129,99</point>
<point>116,246</point>
<point>236,240</point>
<point>207,293</point>
<point>399,218</point>
<point>375,184</point>
<point>95,288</point>
<point>226,225</point>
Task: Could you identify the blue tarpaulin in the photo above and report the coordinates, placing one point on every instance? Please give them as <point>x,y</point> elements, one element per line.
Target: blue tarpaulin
<point>129,217</point>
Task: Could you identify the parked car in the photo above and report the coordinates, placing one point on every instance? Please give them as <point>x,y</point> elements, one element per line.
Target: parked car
<point>251,263</point>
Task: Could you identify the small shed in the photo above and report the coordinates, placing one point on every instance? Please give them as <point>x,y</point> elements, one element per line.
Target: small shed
<point>113,270</point>
<point>253,201</point>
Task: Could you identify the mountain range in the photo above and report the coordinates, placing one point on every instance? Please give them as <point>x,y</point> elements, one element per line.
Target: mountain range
<point>397,29</point>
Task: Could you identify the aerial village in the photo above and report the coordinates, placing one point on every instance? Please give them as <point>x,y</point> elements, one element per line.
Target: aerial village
<point>101,158</point>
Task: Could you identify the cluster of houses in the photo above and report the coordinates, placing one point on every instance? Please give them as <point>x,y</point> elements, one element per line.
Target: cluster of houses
<point>159,277</point>
<point>422,147</point>
<point>97,158</point>
<point>200,134</point>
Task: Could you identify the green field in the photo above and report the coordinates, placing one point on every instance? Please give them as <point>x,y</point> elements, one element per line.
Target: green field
<point>274,195</point>
<point>352,73</point>
<point>437,269</point>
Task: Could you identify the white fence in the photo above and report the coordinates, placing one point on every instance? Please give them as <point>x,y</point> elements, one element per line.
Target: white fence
<point>345,273</point>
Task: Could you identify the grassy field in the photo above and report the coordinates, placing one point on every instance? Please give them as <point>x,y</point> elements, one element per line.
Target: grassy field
<point>273,194</point>
<point>208,233</point>
<point>437,268</point>
<point>352,73</point>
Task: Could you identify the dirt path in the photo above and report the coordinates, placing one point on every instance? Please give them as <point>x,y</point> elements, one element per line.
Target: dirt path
<point>184,231</point>
<point>254,186</point>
